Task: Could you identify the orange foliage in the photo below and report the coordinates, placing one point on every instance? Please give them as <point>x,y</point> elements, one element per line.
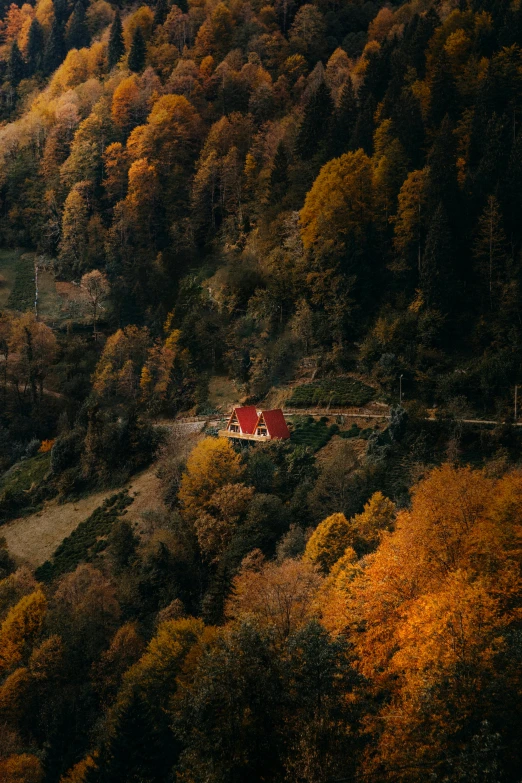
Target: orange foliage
<point>431,608</point>
<point>340,201</point>
<point>23,768</point>
<point>46,446</point>
<point>279,596</point>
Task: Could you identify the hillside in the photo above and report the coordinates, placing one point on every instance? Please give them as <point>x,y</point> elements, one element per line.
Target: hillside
<point>307,205</point>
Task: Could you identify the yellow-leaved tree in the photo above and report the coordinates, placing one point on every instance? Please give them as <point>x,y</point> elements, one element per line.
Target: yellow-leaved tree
<point>20,629</point>
<point>329,541</point>
<point>212,464</point>
<point>339,205</point>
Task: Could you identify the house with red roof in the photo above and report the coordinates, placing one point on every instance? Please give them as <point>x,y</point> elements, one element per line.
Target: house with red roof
<point>247,423</point>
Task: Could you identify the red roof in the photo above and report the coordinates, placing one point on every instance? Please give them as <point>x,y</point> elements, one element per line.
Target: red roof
<point>247,418</point>
<point>275,423</point>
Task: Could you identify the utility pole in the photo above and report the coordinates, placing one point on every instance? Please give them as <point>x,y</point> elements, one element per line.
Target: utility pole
<point>400,388</point>
<point>36,290</point>
<point>516,402</point>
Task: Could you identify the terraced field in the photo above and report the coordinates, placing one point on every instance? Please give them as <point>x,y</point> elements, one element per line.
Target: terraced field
<point>344,392</point>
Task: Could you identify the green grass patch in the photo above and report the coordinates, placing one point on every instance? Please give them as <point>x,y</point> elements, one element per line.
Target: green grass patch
<point>22,488</point>
<point>9,260</point>
<point>306,431</point>
<point>22,293</point>
<point>334,392</point>
<point>87,540</point>
<point>26,474</point>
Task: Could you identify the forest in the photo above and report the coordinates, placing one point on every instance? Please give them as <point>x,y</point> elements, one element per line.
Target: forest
<point>314,205</point>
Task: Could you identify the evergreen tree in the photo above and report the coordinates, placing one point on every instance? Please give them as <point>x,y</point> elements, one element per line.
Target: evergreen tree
<point>160,12</point>
<point>436,264</point>
<point>362,137</point>
<point>442,185</point>
<point>279,174</point>
<point>15,65</point>
<point>35,47</point>
<point>490,251</point>
<point>116,43</point>
<point>511,192</point>
<point>494,155</point>
<point>444,98</point>
<point>316,121</point>
<point>137,54</point>
<point>344,121</point>
<point>77,35</point>
<point>376,75</point>
<point>416,49</point>
<point>407,120</point>
<point>54,52</point>
<point>61,12</point>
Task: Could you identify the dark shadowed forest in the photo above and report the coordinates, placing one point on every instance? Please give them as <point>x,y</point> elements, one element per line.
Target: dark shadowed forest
<point>308,205</point>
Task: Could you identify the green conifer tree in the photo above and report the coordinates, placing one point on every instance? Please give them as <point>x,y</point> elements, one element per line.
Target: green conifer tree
<point>160,12</point>
<point>345,118</point>
<point>35,47</point>
<point>116,43</point>
<point>77,34</point>
<point>61,11</point>
<point>15,65</point>
<point>54,52</point>
<point>444,98</point>
<point>436,264</point>
<point>137,54</point>
<point>362,137</point>
<point>316,121</point>
<point>279,174</point>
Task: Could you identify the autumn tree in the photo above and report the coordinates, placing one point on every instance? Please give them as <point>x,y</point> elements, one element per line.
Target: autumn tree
<point>329,541</point>
<point>20,629</point>
<point>340,203</point>
<point>409,225</point>
<point>22,767</point>
<point>212,464</point>
<point>118,371</point>
<point>96,285</point>
<point>137,731</point>
<point>74,241</point>
<point>279,596</point>
<point>377,518</point>
<point>35,348</point>
<point>418,604</point>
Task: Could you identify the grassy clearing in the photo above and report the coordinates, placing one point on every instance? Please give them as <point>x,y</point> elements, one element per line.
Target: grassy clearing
<point>89,538</point>
<point>22,488</point>
<point>9,260</point>
<point>26,474</point>
<point>21,297</point>
<point>334,392</point>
